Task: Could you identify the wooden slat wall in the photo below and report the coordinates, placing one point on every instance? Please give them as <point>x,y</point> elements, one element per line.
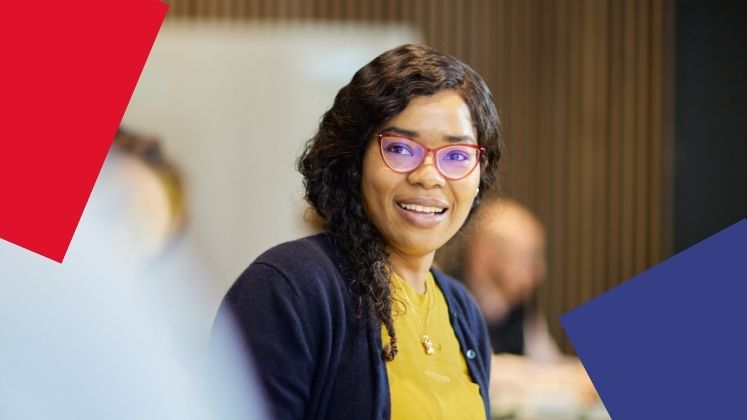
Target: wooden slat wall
<point>583,88</point>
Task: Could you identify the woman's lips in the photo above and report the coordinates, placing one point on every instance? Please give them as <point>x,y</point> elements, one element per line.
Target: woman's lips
<point>422,213</point>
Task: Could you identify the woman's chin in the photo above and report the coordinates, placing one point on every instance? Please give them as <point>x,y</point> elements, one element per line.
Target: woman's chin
<point>417,244</point>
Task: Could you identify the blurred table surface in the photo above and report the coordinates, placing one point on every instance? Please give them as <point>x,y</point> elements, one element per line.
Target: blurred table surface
<point>594,412</point>
<point>524,389</point>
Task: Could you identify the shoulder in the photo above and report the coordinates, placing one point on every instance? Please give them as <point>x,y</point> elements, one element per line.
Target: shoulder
<point>306,255</point>
<point>304,268</point>
<point>316,247</point>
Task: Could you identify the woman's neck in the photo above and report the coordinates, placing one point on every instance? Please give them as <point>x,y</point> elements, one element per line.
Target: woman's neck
<point>412,269</point>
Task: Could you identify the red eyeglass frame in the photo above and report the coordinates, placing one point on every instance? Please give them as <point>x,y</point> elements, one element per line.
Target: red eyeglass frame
<point>480,154</point>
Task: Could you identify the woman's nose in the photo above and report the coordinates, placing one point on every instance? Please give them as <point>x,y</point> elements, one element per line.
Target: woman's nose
<point>427,174</point>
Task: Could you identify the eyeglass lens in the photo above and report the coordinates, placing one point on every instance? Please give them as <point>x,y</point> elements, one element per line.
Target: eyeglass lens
<point>404,155</point>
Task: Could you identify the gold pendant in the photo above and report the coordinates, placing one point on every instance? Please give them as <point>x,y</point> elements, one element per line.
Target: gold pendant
<point>427,344</point>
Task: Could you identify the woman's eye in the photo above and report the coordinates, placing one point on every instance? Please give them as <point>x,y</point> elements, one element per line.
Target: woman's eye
<point>457,155</point>
<point>399,149</point>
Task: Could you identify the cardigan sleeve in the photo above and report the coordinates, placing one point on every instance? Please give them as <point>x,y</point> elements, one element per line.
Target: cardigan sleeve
<point>276,323</point>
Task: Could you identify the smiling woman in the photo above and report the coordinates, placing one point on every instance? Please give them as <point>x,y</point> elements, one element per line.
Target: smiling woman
<point>406,195</point>
<point>354,322</point>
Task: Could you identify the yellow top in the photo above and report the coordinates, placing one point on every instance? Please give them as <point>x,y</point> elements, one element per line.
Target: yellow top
<point>422,385</point>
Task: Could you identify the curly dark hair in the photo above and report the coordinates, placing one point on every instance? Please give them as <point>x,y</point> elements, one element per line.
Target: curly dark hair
<point>331,163</point>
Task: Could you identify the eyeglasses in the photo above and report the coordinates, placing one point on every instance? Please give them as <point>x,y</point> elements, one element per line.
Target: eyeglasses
<point>453,161</point>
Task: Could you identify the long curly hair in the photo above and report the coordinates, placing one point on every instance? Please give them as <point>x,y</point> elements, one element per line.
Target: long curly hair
<point>331,163</point>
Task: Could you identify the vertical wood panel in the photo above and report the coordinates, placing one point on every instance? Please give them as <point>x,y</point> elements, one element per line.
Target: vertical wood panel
<point>572,152</point>
<point>615,141</point>
<point>559,229</point>
<point>601,144</point>
<point>457,11</point>
<point>528,107</point>
<point>587,124</point>
<point>545,97</point>
<point>656,135</point>
<point>628,141</point>
<point>642,139</point>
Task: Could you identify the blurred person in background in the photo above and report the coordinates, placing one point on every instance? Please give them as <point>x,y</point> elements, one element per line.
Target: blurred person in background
<point>110,333</point>
<point>500,256</point>
<point>353,322</point>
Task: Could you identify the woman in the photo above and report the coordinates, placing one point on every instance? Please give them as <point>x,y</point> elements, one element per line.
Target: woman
<point>353,323</point>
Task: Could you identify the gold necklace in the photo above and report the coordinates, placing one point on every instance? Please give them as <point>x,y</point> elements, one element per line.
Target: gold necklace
<point>425,340</point>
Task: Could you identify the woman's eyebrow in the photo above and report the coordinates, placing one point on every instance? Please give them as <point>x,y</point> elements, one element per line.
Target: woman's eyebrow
<point>400,131</point>
<point>460,139</point>
<point>414,134</point>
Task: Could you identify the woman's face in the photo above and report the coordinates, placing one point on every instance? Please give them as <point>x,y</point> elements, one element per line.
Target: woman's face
<point>401,205</point>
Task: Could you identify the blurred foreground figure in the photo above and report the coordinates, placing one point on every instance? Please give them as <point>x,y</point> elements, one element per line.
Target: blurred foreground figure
<point>109,334</point>
<point>501,259</point>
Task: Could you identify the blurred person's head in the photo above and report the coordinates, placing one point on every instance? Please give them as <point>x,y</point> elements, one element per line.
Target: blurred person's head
<point>370,161</point>
<point>151,202</point>
<point>500,257</point>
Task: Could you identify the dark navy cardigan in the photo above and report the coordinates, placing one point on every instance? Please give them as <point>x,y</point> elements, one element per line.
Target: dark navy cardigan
<point>317,361</point>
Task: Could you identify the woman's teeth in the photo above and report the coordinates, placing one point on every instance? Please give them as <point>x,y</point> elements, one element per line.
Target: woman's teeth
<point>422,209</point>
